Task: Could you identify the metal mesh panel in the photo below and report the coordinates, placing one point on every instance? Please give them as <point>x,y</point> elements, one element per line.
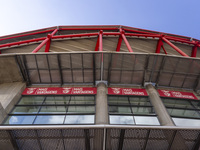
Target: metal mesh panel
<point>53,61</point>
<point>118,68</point>
<point>42,61</point>
<point>63,139</point>
<point>177,80</point>
<point>45,76</point>
<point>28,144</point>
<point>67,76</point>
<point>34,77</point>
<point>55,76</point>
<point>30,61</point>
<point>65,60</point>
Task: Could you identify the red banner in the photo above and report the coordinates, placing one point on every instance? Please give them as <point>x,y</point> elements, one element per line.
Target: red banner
<point>177,94</point>
<point>60,91</point>
<point>127,91</point>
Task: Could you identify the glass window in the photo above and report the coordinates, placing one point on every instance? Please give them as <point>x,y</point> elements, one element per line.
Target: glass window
<point>82,100</point>
<point>79,119</point>
<point>53,110</point>
<point>186,122</point>
<point>146,120</point>
<point>31,100</point>
<point>20,119</point>
<point>183,111</point>
<point>125,110</point>
<point>57,100</point>
<point>25,110</point>
<point>49,119</point>
<point>121,119</point>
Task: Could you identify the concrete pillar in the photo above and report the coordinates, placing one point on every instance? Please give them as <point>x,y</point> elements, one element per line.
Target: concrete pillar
<point>163,116</point>
<point>10,93</point>
<point>101,104</point>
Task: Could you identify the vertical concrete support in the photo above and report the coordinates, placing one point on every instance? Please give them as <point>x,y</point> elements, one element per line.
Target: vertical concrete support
<point>101,104</point>
<point>163,116</point>
<point>9,95</point>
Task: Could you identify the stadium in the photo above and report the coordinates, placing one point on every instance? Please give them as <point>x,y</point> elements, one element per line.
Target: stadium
<point>99,87</point>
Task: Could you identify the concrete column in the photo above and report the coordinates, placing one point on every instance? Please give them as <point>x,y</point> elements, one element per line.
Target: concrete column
<point>10,93</point>
<point>163,116</point>
<point>101,104</point>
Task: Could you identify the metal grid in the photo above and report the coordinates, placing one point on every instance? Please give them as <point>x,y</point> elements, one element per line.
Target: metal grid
<point>116,68</point>
<point>101,138</point>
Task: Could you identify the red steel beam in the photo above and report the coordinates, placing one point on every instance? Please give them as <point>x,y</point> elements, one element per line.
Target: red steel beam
<point>28,34</point>
<point>119,43</point>
<point>194,51</point>
<point>40,46</point>
<point>126,41</point>
<point>49,36</point>
<point>74,35</point>
<point>97,45</point>
<point>137,31</point>
<point>159,44</point>
<point>22,42</point>
<point>174,47</point>
<point>88,28</point>
<point>143,35</point>
<point>101,41</point>
<point>164,49</point>
<point>180,40</point>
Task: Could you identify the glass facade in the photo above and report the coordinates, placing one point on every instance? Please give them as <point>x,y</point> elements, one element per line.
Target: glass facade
<point>53,110</point>
<point>183,112</point>
<point>131,110</point>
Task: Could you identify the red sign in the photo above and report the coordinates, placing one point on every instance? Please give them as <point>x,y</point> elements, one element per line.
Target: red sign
<point>177,94</point>
<point>127,91</point>
<point>59,91</point>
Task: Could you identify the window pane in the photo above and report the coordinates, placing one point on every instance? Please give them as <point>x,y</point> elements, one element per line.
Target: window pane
<point>183,113</point>
<point>79,119</point>
<point>146,120</point>
<point>20,119</point>
<point>31,100</point>
<point>57,100</point>
<point>177,103</point>
<point>117,100</point>
<point>186,122</point>
<point>143,110</point>
<point>53,109</point>
<point>49,119</point>
<point>140,101</point>
<point>119,110</point>
<point>81,109</point>
<point>25,110</point>
<point>121,119</point>
<point>82,100</point>
<point>196,104</point>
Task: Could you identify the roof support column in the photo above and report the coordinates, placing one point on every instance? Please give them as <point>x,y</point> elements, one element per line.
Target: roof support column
<point>174,47</point>
<point>101,104</point>
<point>194,51</point>
<point>163,116</point>
<point>47,41</point>
<point>159,44</point>
<point>101,40</point>
<point>126,41</point>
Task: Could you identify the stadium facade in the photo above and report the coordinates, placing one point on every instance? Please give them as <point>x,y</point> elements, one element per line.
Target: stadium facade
<point>99,87</point>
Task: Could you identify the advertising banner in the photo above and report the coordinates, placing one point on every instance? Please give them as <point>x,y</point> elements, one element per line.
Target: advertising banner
<point>60,91</point>
<point>177,94</point>
<point>127,91</point>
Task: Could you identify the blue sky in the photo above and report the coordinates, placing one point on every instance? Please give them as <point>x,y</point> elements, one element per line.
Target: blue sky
<point>180,17</point>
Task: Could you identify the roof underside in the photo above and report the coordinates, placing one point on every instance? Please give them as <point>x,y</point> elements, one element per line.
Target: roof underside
<point>82,68</point>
